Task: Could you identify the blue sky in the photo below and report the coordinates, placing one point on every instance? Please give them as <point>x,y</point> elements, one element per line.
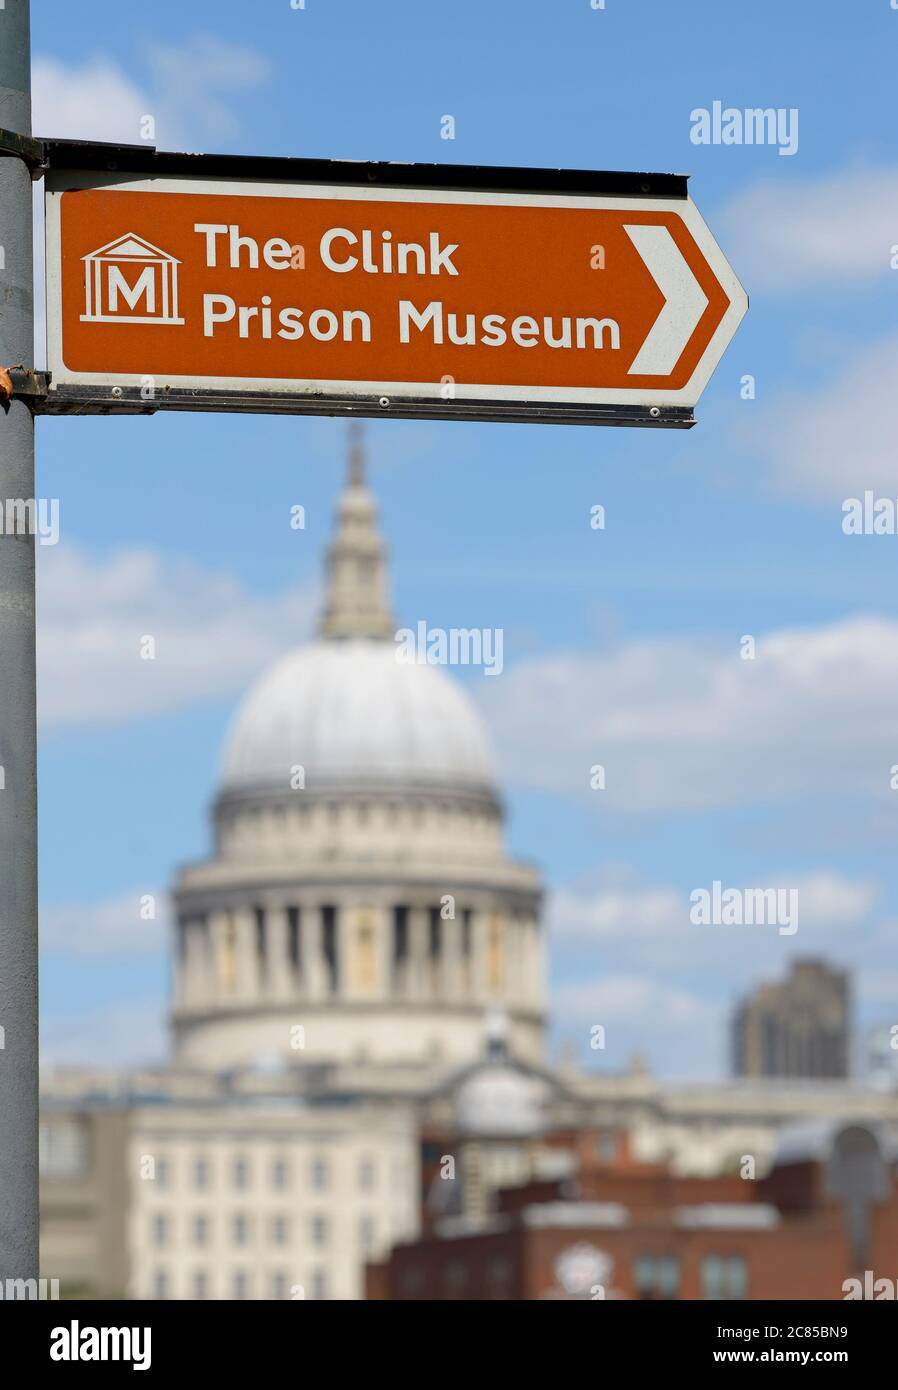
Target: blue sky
<point>622,645</point>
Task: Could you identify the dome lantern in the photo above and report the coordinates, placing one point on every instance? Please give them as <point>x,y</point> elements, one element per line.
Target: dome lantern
<point>356,603</point>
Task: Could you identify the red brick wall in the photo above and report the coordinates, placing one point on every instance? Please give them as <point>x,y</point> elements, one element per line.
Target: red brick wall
<point>805,1258</point>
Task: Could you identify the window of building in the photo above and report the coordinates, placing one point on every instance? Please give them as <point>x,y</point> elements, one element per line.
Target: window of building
<point>320,1174</point>
<point>280,1230</point>
<point>163,1172</point>
<point>280,1174</point>
<point>367,1234</point>
<point>367,1174</point>
<point>240,1284</point>
<point>499,1275</point>
<point>200,1174</point>
<point>318,1284</point>
<point>456,1279</point>
<point>241,1173</point>
<point>200,1284</point>
<point>240,1228</point>
<point>410,1282</point>
<point>724,1276</point>
<point>63,1149</point>
<point>200,1230</point>
<point>318,1228</point>
<point>279,1286</point>
<point>606,1147</point>
<point>657,1276</point>
<point>160,1284</point>
<point>160,1230</point>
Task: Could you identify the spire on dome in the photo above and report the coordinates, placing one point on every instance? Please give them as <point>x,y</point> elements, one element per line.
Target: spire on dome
<point>356,602</point>
<point>356,470</point>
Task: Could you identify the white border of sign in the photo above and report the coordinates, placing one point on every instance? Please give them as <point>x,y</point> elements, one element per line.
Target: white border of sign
<point>59,182</point>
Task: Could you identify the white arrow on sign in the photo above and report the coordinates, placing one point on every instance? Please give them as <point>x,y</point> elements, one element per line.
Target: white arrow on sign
<point>685,300</point>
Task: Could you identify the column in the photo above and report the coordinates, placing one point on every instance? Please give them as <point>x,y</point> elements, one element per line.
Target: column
<point>537,977</point>
<point>247,987</point>
<point>516,989</point>
<point>222,957</point>
<point>479,920</point>
<point>280,982</point>
<point>190,963</point>
<point>496,956</point>
<point>314,969</point>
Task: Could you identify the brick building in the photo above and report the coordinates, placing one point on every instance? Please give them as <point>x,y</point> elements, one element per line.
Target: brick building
<point>615,1228</point>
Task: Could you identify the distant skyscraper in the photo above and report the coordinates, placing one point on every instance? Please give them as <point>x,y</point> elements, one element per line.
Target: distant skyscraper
<point>797,1028</point>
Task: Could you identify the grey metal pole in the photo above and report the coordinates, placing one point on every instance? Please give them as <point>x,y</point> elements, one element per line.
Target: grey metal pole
<point>18,792</point>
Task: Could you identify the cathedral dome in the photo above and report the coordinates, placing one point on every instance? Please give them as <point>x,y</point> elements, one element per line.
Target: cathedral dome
<point>344,708</point>
<point>359,879</point>
<point>349,713</point>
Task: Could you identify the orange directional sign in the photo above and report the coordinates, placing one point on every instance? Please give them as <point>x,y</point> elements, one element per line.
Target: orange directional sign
<point>292,295</point>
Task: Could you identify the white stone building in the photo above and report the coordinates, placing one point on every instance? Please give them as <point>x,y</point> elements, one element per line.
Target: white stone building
<point>337,957</point>
<point>358,911</point>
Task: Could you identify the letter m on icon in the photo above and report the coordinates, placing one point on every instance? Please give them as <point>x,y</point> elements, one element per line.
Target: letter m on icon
<point>144,285</point>
<point>130,281</point>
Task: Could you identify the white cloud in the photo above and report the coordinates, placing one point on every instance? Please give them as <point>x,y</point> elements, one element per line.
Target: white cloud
<point>189,91</point>
<point>795,233</point>
<point>689,725</point>
<point>627,957</point>
<point>829,900</point>
<point>647,929</point>
<point>122,1035</point>
<point>672,1029</point>
<point>633,916</point>
<point>195,86</point>
<point>879,987</point>
<point>836,440</point>
<point>211,636</point>
<point>95,100</point>
<point>112,929</point>
<point>631,910</point>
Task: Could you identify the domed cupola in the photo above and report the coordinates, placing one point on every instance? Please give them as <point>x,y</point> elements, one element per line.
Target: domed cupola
<point>356,604</point>
<point>343,709</point>
<point>359,880</point>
